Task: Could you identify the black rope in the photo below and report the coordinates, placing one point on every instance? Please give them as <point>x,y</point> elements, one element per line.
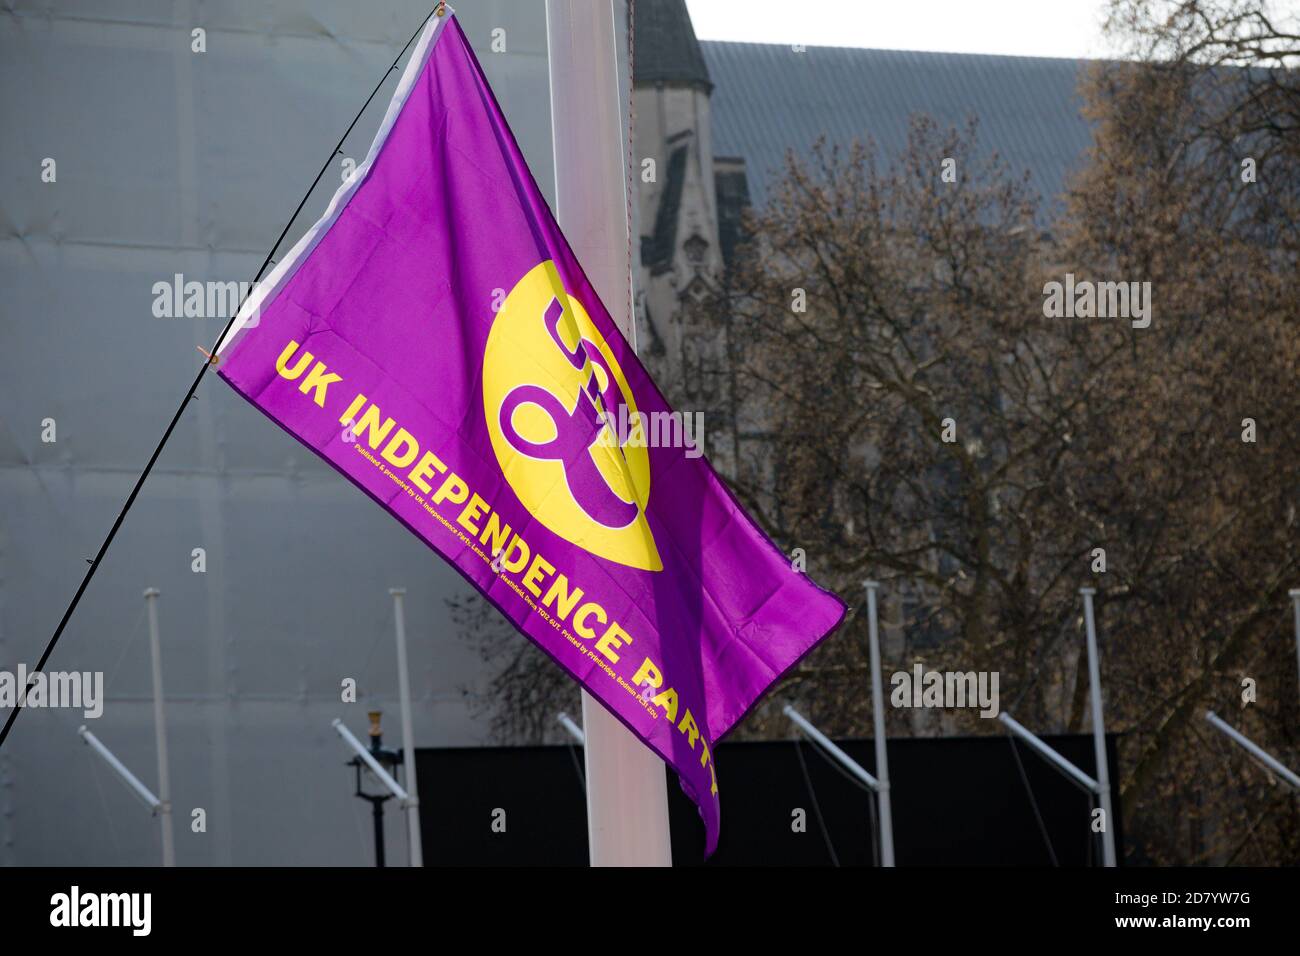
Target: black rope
<point>1033,802</point>
<point>875,829</point>
<point>577,766</point>
<point>135,492</point>
<point>821,821</point>
<point>833,762</point>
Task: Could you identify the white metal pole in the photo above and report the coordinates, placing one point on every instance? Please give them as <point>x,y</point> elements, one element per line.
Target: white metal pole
<point>1099,731</point>
<point>1295,601</point>
<point>574,730</point>
<point>851,765</point>
<point>131,780</point>
<point>408,736</point>
<point>627,795</point>
<point>1259,753</point>
<point>386,778</point>
<point>1073,772</point>
<point>878,718</point>
<point>160,732</point>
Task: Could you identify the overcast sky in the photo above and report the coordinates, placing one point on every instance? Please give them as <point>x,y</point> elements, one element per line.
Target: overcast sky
<point>1062,28</point>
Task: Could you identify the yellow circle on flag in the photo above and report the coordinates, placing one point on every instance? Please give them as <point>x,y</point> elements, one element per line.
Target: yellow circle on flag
<point>548,380</point>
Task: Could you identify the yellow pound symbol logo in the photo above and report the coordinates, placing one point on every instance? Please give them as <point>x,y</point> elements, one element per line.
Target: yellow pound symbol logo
<point>551,392</point>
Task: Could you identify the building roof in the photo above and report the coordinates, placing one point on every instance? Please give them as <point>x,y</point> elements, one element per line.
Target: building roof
<point>768,99</point>
<point>664,45</point>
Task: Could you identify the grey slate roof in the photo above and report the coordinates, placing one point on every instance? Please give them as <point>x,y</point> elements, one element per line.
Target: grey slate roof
<point>665,48</point>
<point>768,99</point>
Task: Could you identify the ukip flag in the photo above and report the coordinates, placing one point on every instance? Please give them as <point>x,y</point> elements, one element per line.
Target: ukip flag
<point>434,339</point>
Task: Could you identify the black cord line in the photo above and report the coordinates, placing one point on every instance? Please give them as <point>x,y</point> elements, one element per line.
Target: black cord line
<point>577,766</point>
<point>135,491</point>
<point>875,830</point>
<point>812,793</point>
<point>833,762</point>
<point>872,797</point>
<point>1033,802</point>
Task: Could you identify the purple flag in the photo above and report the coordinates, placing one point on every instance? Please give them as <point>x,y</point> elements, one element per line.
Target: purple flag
<point>434,339</point>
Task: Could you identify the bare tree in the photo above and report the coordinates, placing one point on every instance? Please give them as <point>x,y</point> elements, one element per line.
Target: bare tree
<point>1192,184</point>
<point>928,424</point>
<point>902,408</point>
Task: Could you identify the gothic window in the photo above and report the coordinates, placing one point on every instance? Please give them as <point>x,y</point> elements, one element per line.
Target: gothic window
<point>701,374</point>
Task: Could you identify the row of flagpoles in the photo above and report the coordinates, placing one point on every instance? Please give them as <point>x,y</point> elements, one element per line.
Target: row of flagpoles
<point>620,845</point>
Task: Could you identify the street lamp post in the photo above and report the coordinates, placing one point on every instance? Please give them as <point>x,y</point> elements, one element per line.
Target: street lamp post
<point>389,760</point>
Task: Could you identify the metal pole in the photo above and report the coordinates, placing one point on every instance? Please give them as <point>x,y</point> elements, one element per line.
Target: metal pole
<point>160,732</point>
<point>384,776</point>
<point>1263,756</point>
<point>1099,731</point>
<point>377,815</point>
<point>627,793</point>
<point>574,730</point>
<point>1295,601</point>
<point>130,779</point>
<point>408,736</point>
<point>878,718</point>
<point>1069,769</point>
<point>851,765</point>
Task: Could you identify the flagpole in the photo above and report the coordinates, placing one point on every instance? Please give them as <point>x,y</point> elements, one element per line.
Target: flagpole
<point>1259,753</point>
<point>160,732</point>
<point>1099,731</point>
<point>878,721</point>
<point>127,777</point>
<point>627,798</point>
<point>1294,594</point>
<point>408,735</point>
